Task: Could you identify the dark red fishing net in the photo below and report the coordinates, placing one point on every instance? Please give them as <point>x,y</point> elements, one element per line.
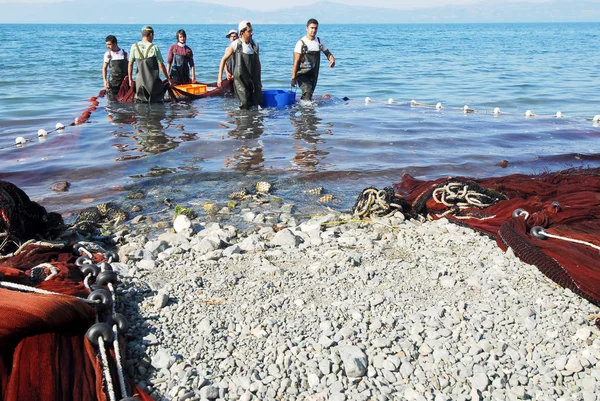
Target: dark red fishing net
<point>565,204</point>
<point>44,352</point>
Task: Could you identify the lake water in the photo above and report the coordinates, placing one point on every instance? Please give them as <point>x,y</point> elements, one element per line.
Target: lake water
<point>202,150</point>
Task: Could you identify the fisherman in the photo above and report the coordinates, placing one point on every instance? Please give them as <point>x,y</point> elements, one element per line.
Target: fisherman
<point>232,35</point>
<point>115,58</point>
<point>149,88</point>
<point>180,62</point>
<point>246,75</point>
<point>307,59</point>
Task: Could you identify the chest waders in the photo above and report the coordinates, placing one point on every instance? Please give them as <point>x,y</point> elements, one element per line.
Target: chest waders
<point>118,72</point>
<point>231,64</point>
<point>246,77</point>
<point>308,71</point>
<point>148,86</point>
<point>180,69</point>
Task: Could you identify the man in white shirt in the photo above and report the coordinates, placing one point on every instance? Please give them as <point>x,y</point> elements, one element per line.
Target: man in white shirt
<point>247,83</point>
<point>115,58</point>
<point>307,59</point>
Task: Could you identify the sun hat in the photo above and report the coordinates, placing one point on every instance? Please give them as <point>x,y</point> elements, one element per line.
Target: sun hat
<point>231,32</point>
<point>243,25</point>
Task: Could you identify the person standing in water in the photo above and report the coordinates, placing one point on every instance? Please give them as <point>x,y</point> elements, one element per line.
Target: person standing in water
<point>307,59</point>
<point>115,58</point>
<point>247,71</point>
<point>148,86</point>
<point>180,62</point>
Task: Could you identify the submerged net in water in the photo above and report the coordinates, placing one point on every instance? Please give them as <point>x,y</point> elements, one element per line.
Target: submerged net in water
<point>551,220</point>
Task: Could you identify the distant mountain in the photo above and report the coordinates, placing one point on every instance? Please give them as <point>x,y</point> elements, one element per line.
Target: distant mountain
<point>192,12</point>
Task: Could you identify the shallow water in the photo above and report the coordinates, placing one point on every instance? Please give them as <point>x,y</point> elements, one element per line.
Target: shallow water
<point>202,150</point>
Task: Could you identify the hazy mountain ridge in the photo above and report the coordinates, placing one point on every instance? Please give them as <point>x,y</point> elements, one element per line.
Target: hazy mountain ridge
<point>138,11</point>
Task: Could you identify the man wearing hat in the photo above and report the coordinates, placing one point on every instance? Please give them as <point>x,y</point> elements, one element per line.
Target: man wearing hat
<point>148,86</point>
<point>232,35</point>
<point>307,59</point>
<point>247,71</point>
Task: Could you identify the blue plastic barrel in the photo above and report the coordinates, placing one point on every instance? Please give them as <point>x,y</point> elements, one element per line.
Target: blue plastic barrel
<point>278,98</point>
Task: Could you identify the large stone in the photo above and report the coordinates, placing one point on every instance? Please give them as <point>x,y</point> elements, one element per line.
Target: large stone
<point>355,361</point>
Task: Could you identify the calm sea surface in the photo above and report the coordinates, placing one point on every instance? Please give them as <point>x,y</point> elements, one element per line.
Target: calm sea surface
<point>198,151</point>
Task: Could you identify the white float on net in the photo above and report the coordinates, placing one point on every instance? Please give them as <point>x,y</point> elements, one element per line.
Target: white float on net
<point>59,126</point>
<point>367,100</point>
<point>20,140</point>
<point>559,114</point>
<point>528,113</point>
<point>390,101</point>
<point>497,111</point>
<point>438,106</point>
<point>413,102</point>
<point>596,118</point>
<point>42,132</point>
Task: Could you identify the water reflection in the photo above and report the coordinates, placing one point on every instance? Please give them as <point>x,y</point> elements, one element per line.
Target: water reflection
<point>308,130</point>
<point>149,132</point>
<point>249,126</point>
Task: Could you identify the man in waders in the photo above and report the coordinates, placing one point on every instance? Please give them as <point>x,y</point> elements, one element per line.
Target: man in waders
<point>246,74</point>
<point>115,59</point>
<point>148,86</point>
<point>180,61</point>
<point>307,58</point>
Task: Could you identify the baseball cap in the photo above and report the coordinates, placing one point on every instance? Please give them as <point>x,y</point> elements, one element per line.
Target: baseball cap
<point>147,28</point>
<point>231,32</point>
<point>243,25</point>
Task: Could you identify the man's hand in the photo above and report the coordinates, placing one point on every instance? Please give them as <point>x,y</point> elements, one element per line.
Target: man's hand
<point>293,83</point>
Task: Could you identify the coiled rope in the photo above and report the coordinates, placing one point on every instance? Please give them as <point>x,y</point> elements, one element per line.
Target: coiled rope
<point>372,201</point>
<point>459,194</point>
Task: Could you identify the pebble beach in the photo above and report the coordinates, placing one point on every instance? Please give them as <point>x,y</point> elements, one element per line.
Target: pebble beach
<point>277,306</point>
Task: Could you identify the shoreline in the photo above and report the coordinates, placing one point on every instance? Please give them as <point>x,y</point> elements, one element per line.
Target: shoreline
<point>323,309</point>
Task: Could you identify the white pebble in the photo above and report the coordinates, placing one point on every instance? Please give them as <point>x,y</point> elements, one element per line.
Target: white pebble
<point>42,132</point>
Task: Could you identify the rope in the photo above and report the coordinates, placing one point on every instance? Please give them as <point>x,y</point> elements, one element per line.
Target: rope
<point>467,110</point>
<point>26,288</point>
<point>457,191</point>
<point>105,369</point>
<point>547,234</point>
<point>119,362</point>
<point>88,253</point>
<point>376,202</point>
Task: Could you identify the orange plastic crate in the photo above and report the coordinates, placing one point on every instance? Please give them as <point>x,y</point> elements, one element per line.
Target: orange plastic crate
<point>193,89</point>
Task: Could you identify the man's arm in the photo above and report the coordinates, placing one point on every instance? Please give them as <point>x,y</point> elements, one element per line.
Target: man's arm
<point>228,53</point>
<point>295,68</point>
<point>330,58</point>
<point>129,71</point>
<point>193,71</point>
<point>104,69</point>
<point>163,69</point>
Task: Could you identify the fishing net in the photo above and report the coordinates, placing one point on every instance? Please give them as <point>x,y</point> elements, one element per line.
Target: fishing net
<point>551,220</point>
<point>60,336</point>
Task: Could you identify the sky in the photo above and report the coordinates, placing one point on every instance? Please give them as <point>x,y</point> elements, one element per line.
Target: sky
<point>282,11</point>
<point>270,5</point>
